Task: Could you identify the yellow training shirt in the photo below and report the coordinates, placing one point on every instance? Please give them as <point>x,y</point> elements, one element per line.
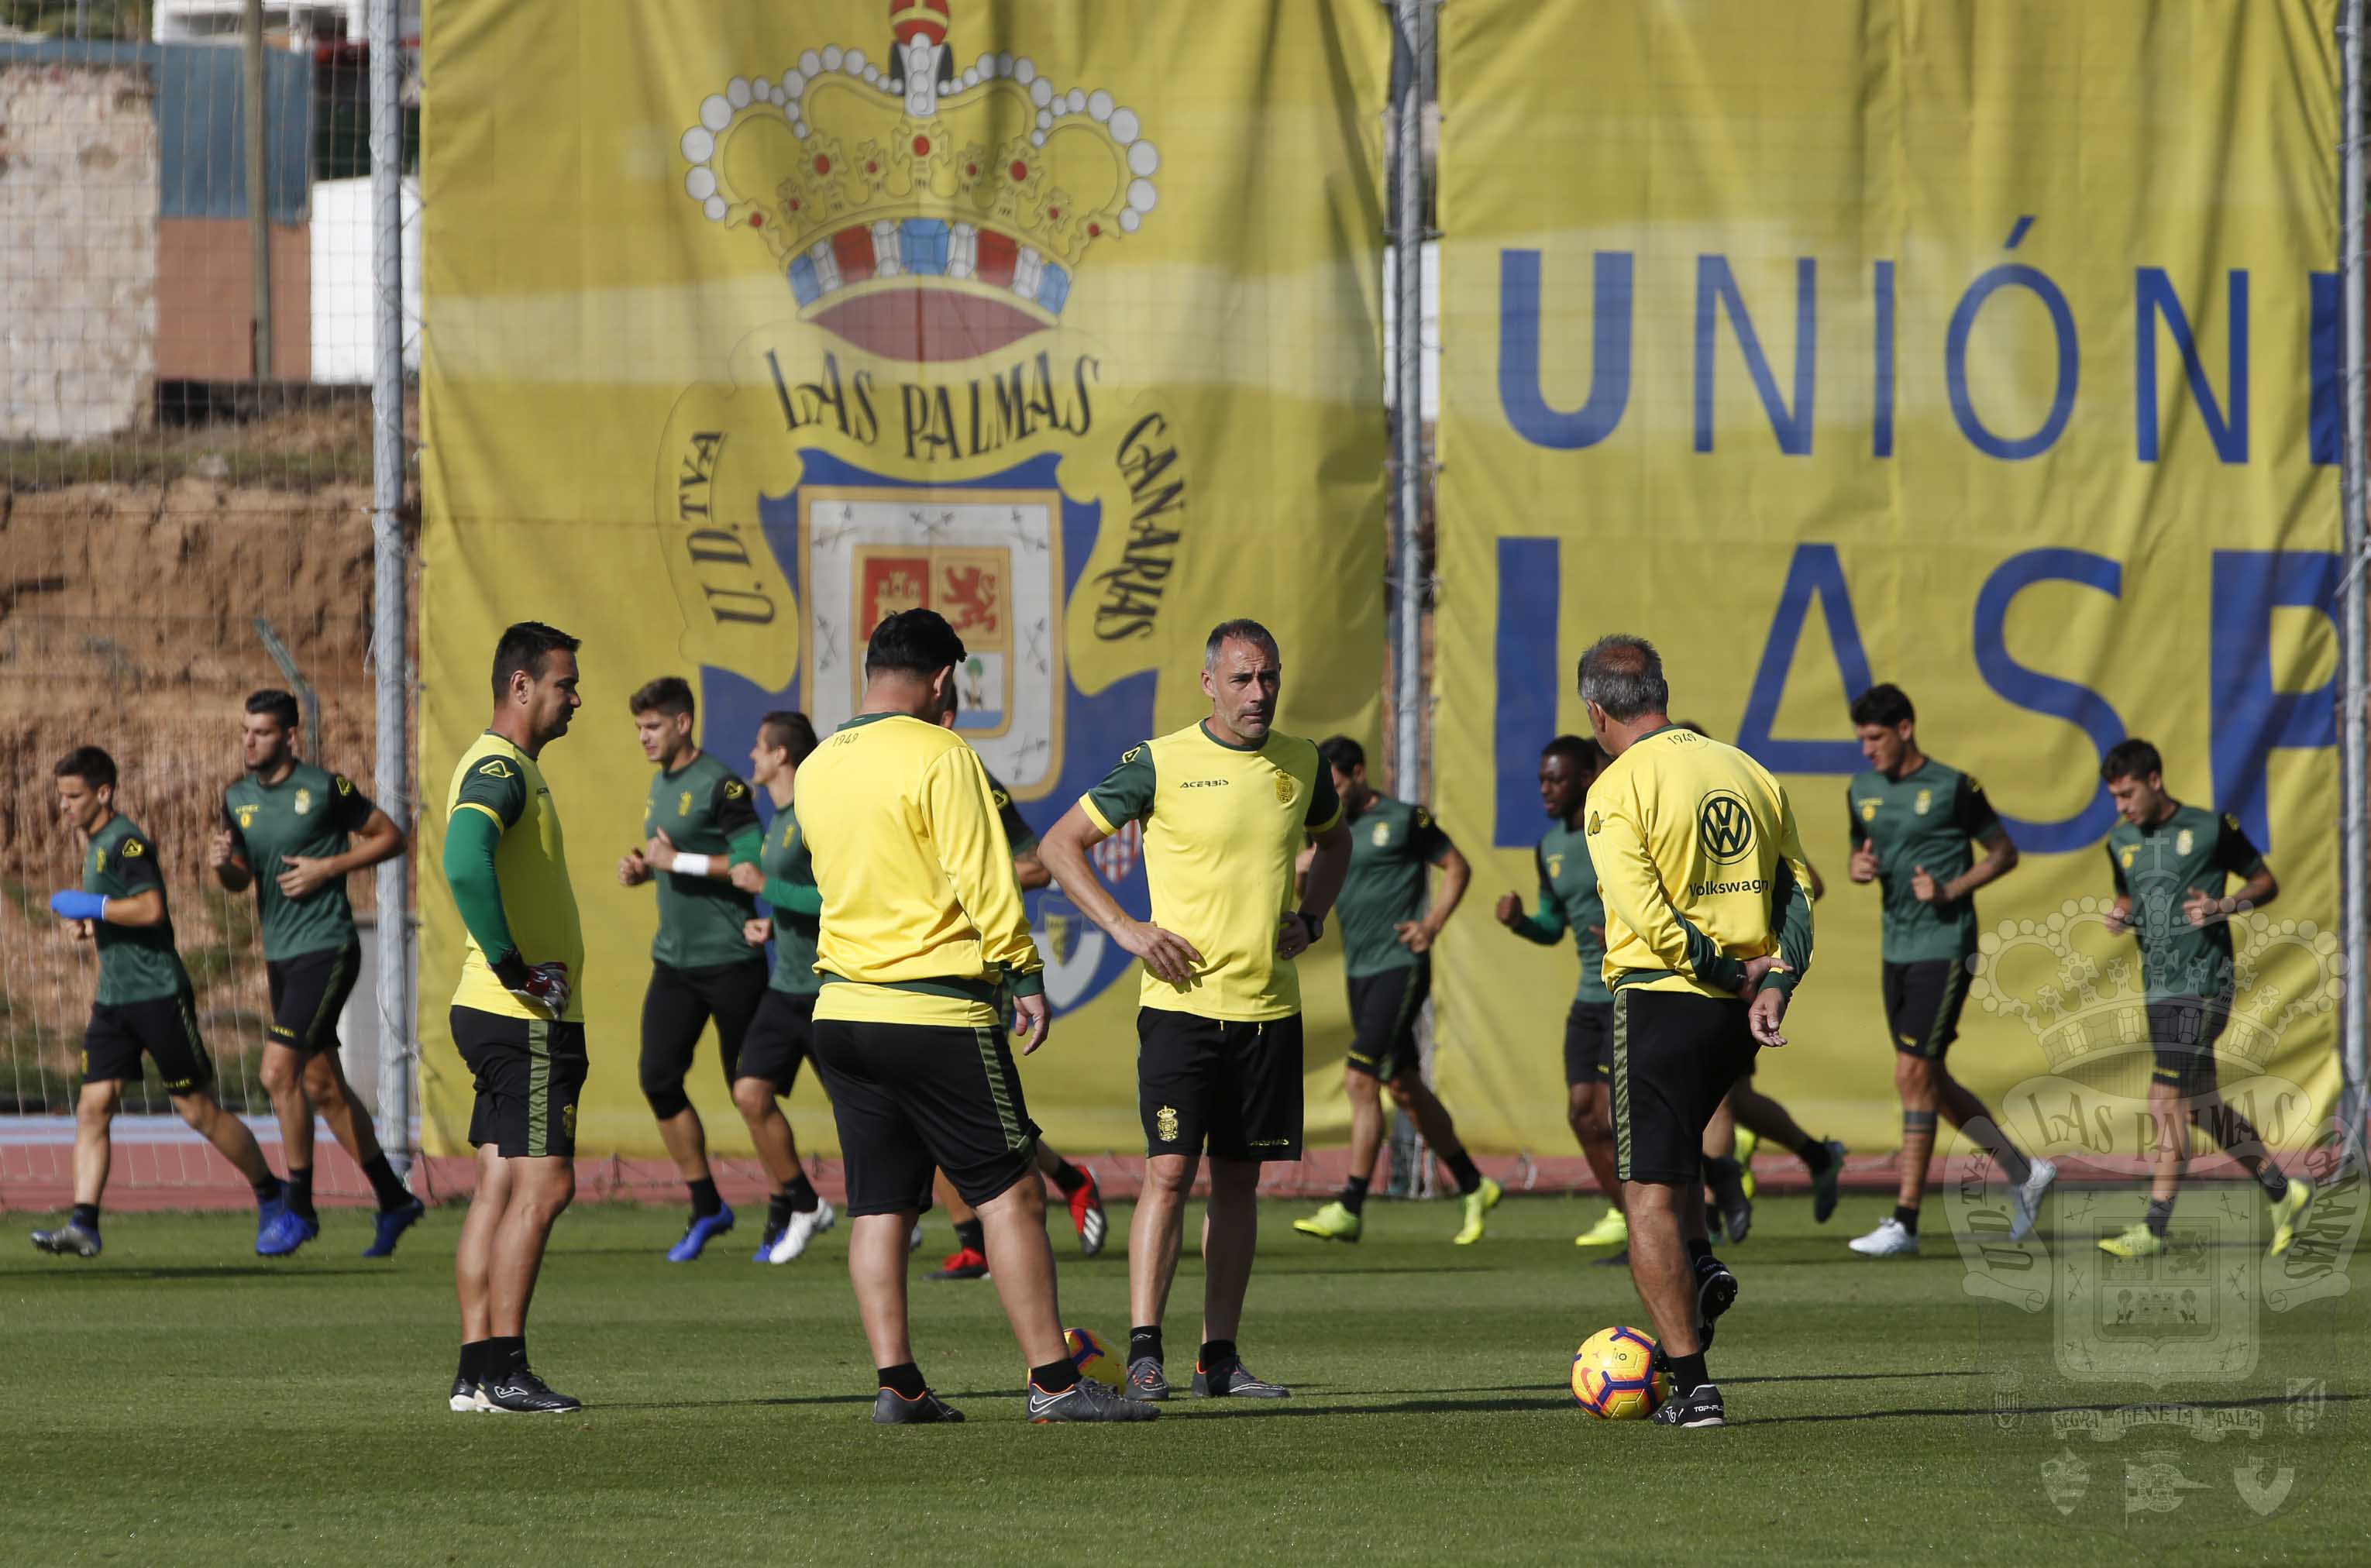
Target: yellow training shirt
<point>921,916</point>
<point>1701,866</point>
<point>531,864</point>
<point>1222,827</point>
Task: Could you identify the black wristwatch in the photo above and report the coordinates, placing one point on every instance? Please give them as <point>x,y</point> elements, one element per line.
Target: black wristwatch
<point>1317,924</point>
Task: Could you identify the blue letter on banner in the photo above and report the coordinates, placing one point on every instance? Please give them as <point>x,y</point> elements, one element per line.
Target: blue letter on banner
<point>1717,289</point>
<point>1531,607</point>
<point>1816,573</point>
<point>1520,330</point>
<point>2250,713</point>
<point>2039,693</point>
<point>2154,297</point>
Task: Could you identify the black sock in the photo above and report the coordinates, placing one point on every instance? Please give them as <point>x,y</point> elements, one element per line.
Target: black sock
<point>1069,1177</point>
<point>1354,1193</point>
<point>1699,1253</point>
<point>1460,1167</point>
<point>2274,1181</point>
<point>2160,1215</point>
<point>473,1361</point>
<point>268,1190</point>
<point>905,1380</point>
<point>704,1198</point>
<point>1143,1342</point>
<point>1908,1217</point>
<point>1216,1353</point>
<point>1813,1153</point>
<point>392,1194</point>
<point>777,1210</point>
<point>971,1235</point>
<point>86,1216</point>
<point>1688,1373</point>
<point>803,1194</point>
<point>505,1355</point>
<point>1055,1376</point>
<point>300,1191</point>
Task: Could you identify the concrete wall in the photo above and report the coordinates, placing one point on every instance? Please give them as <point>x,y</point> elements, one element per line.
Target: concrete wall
<point>79,171</point>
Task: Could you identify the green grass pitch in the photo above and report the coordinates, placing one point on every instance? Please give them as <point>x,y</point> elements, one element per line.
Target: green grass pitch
<point>180,1400</point>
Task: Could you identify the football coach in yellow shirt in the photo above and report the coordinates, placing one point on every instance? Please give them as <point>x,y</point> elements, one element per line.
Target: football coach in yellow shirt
<point>921,928</point>
<point>1707,932</point>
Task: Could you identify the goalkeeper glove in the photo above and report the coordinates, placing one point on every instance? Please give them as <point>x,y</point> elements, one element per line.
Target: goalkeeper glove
<point>543,987</point>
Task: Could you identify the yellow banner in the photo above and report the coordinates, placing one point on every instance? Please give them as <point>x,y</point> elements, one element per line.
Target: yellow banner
<point>1987,347</point>
<point>746,324</point>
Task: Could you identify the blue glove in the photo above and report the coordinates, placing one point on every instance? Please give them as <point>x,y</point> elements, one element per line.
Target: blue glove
<point>73,903</point>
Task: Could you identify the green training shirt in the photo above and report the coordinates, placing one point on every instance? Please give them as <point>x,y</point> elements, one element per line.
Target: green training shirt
<point>136,964</point>
<point>1392,842</point>
<point>1931,818</point>
<point>704,809</point>
<point>2157,867</point>
<point>1023,838</point>
<point>311,813</point>
<point>797,903</point>
<point>1568,897</point>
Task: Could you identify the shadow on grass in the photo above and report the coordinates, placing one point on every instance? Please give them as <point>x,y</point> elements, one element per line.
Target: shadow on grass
<point>103,1274</point>
<point>1961,1412</point>
<point>1468,1269</point>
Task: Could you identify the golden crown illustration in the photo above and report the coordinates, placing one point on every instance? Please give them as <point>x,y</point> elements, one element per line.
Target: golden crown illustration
<point>864,176</point>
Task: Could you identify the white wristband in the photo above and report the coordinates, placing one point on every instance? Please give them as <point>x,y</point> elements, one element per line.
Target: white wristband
<point>691,865</point>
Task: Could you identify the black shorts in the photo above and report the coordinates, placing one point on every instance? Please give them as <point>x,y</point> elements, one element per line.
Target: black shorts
<point>677,1008</point>
<point>912,1097</point>
<point>1922,1004</point>
<point>530,1074</point>
<point>1383,1010</point>
<point>308,992</point>
<point>164,1027</point>
<point>2182,1031</point>
<point>1675,1054</point>
<point>779,1038</point>
<point>1231,1087</point>
<point>1587,1042</point>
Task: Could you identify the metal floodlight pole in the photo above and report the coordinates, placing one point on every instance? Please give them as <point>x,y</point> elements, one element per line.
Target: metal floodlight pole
<point>1407,382</point>
<point>259,192</point>
<point>2354,820</point>
<point>390,614</point>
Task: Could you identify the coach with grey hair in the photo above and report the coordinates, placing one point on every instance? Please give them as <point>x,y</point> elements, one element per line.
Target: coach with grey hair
<point>1707,932</point>
<point>1225,803</point>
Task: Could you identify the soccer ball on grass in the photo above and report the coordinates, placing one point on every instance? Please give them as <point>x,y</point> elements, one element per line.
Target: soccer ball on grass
<point>1613,1375</point>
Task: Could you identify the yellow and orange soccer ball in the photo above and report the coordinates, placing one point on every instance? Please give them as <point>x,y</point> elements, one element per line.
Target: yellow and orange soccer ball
<point>1613,1375</point>
<point>1087,1354</point>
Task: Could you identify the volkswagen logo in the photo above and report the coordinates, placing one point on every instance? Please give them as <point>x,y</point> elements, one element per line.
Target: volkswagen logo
<point>1725,825</point>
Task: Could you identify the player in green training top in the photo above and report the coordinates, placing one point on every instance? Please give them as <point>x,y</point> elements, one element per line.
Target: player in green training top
<point>1568,900</point>
<point>307,830</point>
<point>779,1038</point>
<point>517,1019</point>
<point>1916,826</point>
<point>2172,866</point>
<point>1080,1193</point>
<point>145,1004</point>
<point>1387,937</point>
<point>701,822</point>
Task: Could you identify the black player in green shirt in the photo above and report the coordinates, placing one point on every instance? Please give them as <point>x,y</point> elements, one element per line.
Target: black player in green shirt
<point>1387,937</point>
<point>2172,867</point>
<point>307,830</point>
<point>1915,825</point>
<point>145,1005</point>
<point>701,823</point>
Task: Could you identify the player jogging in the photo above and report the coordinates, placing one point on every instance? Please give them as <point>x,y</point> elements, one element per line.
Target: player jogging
<point>517,1019</point>
<point>307,830</point>
<point>1568,766</point>
<point>781,1034</point>
<point>2172,866</point>
<point>922,926</point>
<point>701,825</point>
<point>1387,937</point>
<point>1225,804</point>
<point>145,1004</point>
<point>1707,933</point>
<point>1913,823</point>
<point>1080,1193</point>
